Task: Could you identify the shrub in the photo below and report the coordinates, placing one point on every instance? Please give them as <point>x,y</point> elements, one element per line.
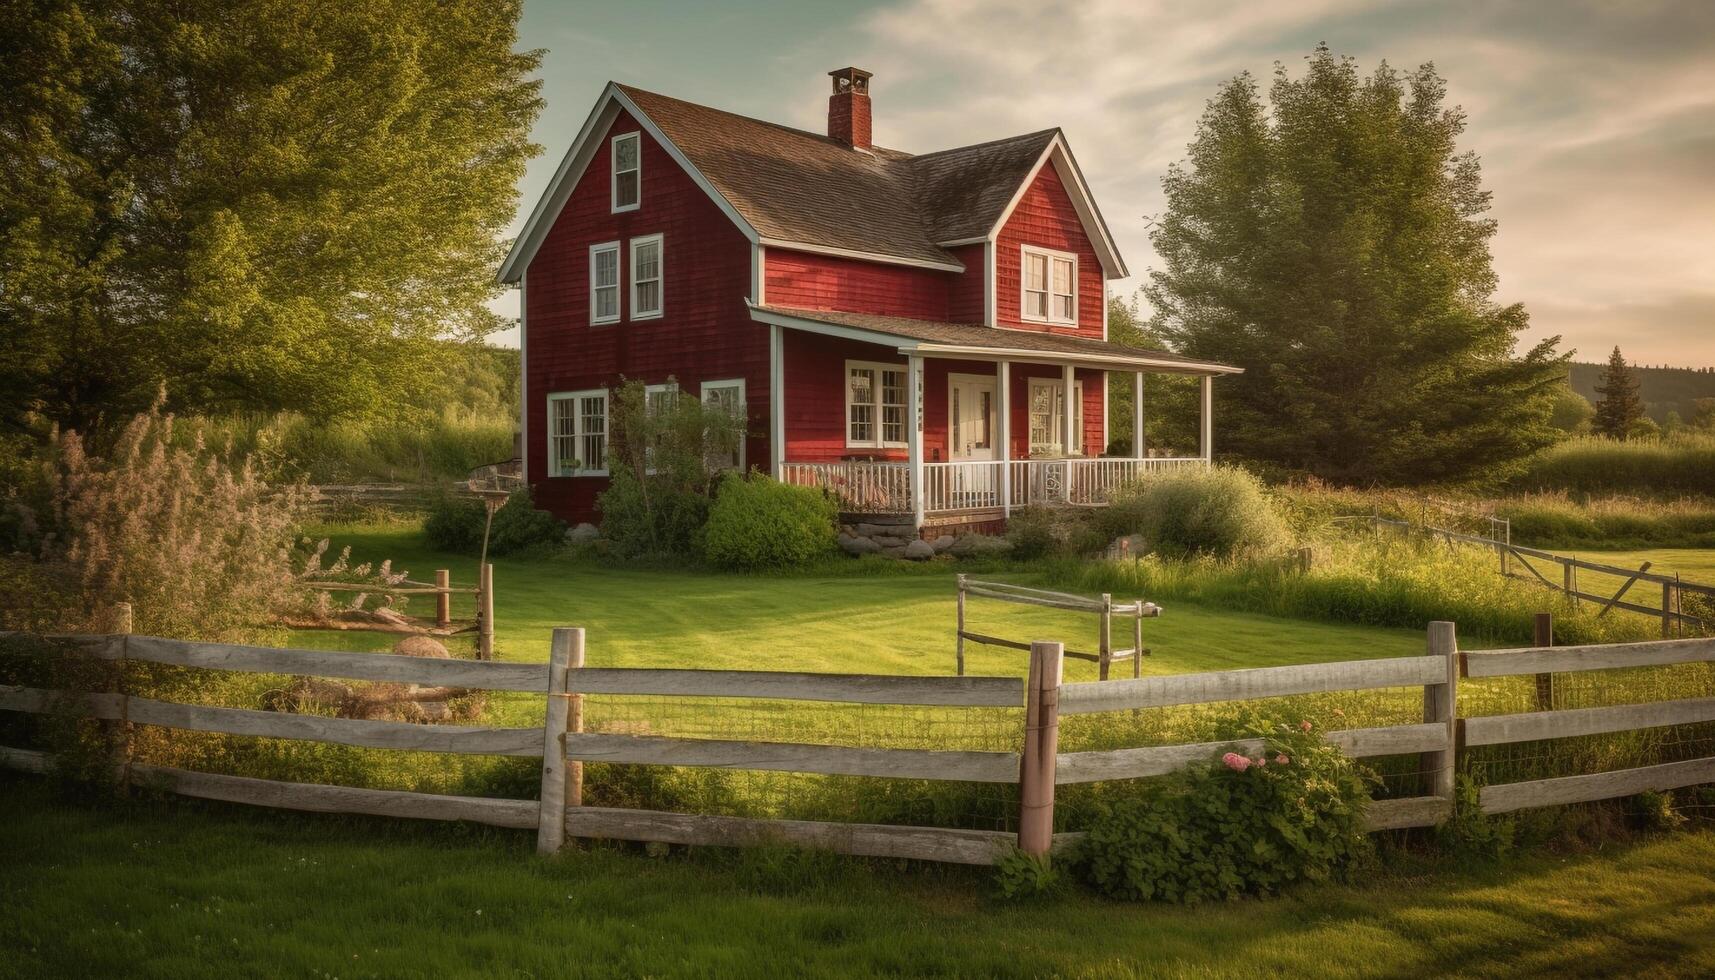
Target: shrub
<point>661,457</point>
<point>1218,511</point>
<point>758,523</point>
<point>1242,825</point>
<point>647,515</point>
<point>455,523</point>
<point>1021,876</point>
<point>1471,835</point>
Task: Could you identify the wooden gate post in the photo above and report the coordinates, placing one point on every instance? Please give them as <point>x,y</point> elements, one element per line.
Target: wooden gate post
<point>485,613</point>
<point>959,644</point>
<point>1544,682</point>
<point>1669,595</point>
<point>443,598</point>
<point>1041,745</point>
<point>1440,706</point>
<point>566,653</point>
<point>1105,651</point>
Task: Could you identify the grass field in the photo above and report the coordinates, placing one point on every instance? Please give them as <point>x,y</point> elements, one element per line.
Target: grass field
<point>182,890</point>
<point>1692,564</point>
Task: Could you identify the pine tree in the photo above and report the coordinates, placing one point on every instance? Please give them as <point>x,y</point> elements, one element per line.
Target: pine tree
<point>1619,408</point>
<point>262,204</point>
<point>1336,247</point>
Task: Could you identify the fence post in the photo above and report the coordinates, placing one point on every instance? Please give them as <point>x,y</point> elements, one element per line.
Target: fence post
<point>959,644</point>
<point>485,613</point>
<point>1544,682</point>
<point>1440,706</point>
<point>1041,744</point>
<point>1669,595</point>
<point>121,729</point>
<point>1137,640</point>
<point>1104,652</point>
<point>1305,557</point>
<point>567,650</point>
<point>1569,582</point>
<point>443,598</point>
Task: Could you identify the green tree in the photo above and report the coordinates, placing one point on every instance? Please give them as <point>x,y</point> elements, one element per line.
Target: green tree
<point>261,204</point>
<point>1335,247</point>
<point>1620,407</point>
<point>1170,401</point>
<point>1572,411</point>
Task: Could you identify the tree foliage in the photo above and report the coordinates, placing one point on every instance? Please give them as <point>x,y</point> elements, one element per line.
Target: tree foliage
<point>268,204</point>
<point>1335,247</point>
<point>1620,409</point>
<point>1170,402</point>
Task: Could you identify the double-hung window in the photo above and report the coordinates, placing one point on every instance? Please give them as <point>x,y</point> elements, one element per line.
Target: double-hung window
<point>658,401</point>
<point>604,283</point>
<point>1050,286</point>
<point>875,405</point>
<point>1048,417</point>
<point>577,433</point>
<point>627,172</point>
<point>727,396</point>
<point>646,277</point>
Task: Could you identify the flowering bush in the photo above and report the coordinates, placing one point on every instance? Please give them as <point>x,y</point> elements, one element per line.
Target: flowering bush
<point>1290,809</point>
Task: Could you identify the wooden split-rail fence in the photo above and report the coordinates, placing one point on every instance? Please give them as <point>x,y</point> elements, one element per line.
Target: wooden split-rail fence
<point>564,746</point>
<point>1104,607</point>
<point>443,590</point>
<point>1674,619</point>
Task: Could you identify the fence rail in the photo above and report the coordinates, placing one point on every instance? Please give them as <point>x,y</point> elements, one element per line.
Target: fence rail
<point>1105,654</point>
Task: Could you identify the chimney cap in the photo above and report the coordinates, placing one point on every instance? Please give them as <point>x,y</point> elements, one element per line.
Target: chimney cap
<point>851,79</point>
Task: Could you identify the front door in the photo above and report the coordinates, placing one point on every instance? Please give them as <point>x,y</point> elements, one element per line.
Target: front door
<point>970,417</point>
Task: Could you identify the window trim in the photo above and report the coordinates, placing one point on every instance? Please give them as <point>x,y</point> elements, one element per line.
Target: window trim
<point>618,286</point>
<point>1024,253</point>
<point>578,432</point>
<point>660,280</point>
<point>743,407</point>
<point>613,172</point>
<point>1078,421</point>
<point>879,404</point>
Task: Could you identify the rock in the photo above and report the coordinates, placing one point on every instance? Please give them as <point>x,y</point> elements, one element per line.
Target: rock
<point>891,540</point>
<point>858,546</point>
<point>919,550</point>
<point>888,530</point>
<point>942,543</point>
<point>422,646</point>
<point>976,545</point>
<point>895,551</point>
<point>582,534</point>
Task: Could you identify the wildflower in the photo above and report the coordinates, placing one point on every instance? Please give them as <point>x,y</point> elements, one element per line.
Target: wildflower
<point>1338,713</point>
<point>1304,725</point>
<point>1281,759</point>
<point>1235,762</point>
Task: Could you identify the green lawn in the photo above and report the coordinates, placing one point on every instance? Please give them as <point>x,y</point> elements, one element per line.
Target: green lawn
<point>1692,564</point>
<point>178,889</point>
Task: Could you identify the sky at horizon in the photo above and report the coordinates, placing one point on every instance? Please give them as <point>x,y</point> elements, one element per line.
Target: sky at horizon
<point>1594,119</point>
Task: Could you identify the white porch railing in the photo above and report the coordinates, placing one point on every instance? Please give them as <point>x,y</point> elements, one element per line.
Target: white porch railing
<point>885,487</point>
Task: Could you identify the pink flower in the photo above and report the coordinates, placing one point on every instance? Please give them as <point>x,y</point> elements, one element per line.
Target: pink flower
<point>1281,759</point>
<point>1262,760</point>
<point>1235,762</point>
<point>1304,725</point>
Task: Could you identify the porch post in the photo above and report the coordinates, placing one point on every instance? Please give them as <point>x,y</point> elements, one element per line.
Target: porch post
<point>777,399</point>
<point>1139,447</point>
<point>1068,444</point>
<point>914,433</point>
<point>1003,432</point>
<point>1208,417</point>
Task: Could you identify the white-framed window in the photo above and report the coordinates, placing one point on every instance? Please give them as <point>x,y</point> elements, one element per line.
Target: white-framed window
<point>728,395</point>
<point>875,405</point>
<point>657,400</point>
<point>627,172</point>
<point>577,433</point>
<point>604,283</point>
<point>646,259</point>
<point>1048,417</point>
<point>1050,286</point>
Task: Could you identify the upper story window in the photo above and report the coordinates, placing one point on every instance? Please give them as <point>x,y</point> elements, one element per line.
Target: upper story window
<point>646,277</point>
<point>577,433</point>
<point>627,172</point>
<point>1050,286</point>
<point>604,283</point>
<point>875,405</point>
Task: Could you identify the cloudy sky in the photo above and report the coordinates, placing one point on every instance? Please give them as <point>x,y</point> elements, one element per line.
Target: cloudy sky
<point>1594,120</point>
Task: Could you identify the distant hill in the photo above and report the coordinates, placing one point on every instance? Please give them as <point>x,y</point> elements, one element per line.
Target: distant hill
<point>1663,389</point>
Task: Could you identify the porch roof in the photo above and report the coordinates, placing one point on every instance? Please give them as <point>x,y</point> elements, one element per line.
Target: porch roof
<point>933,338</point>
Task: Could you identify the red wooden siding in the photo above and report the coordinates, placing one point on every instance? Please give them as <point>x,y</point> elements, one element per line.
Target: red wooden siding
<point>705,333</point>
<point>1045,217</point>
<point>968,289</point>
<point>825,282</point>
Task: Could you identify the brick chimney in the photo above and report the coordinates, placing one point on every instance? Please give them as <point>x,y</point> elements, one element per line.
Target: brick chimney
<point>848,108</point>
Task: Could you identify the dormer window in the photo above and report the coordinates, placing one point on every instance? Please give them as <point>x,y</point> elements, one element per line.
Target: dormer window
<point>627,172</point>
<point>1050,286</point>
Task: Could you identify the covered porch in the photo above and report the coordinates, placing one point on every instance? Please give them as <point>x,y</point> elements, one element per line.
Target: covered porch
<point>944,423</point>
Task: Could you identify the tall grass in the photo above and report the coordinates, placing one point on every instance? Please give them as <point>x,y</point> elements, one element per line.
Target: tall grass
<point>1555,520</point>
<point>441,447</point>
<point>1683,463</point>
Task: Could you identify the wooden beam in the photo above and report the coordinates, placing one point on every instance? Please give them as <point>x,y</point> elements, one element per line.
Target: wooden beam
<point>837,760</point>
<point>1563,660</point>
<point>428,672</point>
<point>403,735</point>
<point>1413,811</point>
<point>864,840</point>
<point>1508,797</point>
<point>1360,743</point>
<point>1255,682</point>
<point>958,692</point>
<point>1531,726</point>
<point>318,798</point>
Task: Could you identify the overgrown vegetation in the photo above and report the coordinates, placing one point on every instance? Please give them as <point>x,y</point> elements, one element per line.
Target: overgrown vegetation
<point>662,457</point>
<point>758,524</point>
<point>1556,520</point>
<point>456,522</point>
<point>1218,511</point>
<point>1672,465</point>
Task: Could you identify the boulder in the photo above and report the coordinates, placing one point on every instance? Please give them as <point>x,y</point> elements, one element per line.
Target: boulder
<point>919,550</point>
<point>891,530</point>
<point>422,646</point>
<point>942,543</point>
<point>858,546</point>
<point>976,545</point>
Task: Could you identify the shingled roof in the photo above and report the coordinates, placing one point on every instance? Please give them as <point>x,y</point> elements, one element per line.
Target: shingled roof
<point>797,186</point>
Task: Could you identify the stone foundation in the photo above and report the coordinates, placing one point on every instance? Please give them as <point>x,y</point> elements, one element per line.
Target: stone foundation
<point>876,534</point>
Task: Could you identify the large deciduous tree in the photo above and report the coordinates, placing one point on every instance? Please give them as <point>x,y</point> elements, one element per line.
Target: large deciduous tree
<point>260,204</point>
<point>1336,248</point>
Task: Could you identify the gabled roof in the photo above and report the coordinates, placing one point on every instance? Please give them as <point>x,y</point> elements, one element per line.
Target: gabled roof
<point>796,189</point>
<point>974,340</point>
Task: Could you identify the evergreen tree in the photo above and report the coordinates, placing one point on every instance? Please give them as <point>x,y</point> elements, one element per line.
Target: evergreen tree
<point>1337,250</point>
<point>262,204</point>
<point>1619,408</point>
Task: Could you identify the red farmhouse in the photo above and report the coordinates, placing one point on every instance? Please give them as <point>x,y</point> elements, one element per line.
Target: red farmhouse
<point>900,329</point>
